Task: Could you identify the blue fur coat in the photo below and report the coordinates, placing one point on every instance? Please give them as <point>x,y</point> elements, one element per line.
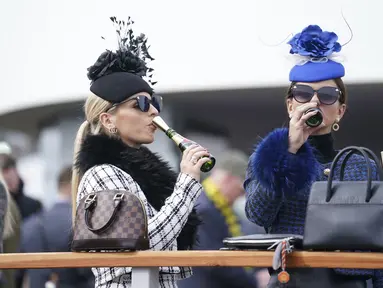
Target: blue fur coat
<point>278,185</point>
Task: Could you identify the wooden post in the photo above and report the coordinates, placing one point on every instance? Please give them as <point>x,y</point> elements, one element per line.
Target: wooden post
<point>145,277</point>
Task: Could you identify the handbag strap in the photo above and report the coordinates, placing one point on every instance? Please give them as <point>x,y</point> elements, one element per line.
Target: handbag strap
<point>369,173</point>
<point>90,204</point>
<point>371,154</point>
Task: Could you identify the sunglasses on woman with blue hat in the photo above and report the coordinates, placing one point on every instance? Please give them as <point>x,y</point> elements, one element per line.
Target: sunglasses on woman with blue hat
<point>304,93</point>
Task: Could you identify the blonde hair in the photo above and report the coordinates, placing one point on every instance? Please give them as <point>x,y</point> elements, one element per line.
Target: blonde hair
<point>94,107</point>
<point>9,221</point>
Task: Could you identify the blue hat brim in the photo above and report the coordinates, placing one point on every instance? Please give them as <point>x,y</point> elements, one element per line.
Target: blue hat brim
<point>315,72</point>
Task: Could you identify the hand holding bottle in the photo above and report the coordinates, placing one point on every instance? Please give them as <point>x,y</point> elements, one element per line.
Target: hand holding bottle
<point>299,132</point>
<point>192,160</point>
<point>183,143</point>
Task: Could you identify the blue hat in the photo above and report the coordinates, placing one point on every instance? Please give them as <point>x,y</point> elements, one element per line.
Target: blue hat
<point>315,49</point>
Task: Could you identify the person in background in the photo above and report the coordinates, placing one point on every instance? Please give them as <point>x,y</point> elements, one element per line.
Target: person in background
<point>262,275</point>
<point>8,228</point>
<point>11,239</point>
<point>50,231</point>
<point>27,205</point>
<point>287,161</point>
<point>215,207</point>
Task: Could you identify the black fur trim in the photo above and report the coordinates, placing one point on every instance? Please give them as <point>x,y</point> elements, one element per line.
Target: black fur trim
<point>154,175</point>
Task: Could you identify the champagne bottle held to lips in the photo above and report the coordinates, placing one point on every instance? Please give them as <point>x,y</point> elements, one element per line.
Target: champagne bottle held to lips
<point>315,120</point>
<point>182,142</point>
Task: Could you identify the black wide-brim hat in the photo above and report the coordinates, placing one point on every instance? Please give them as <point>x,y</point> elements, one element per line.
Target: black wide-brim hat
<point>118,75</point>
<point>119,86</point>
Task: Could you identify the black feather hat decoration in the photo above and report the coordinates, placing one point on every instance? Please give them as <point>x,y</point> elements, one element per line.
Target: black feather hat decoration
<point>132,55</point>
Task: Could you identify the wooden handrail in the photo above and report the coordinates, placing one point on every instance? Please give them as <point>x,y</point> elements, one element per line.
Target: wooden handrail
<point>190,258</point>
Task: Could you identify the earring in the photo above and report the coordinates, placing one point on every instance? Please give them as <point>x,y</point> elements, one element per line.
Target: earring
<point>335,126</point>
<point>113,130</point>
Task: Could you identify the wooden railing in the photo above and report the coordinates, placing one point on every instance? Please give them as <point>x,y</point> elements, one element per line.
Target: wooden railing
<point>145,263</point>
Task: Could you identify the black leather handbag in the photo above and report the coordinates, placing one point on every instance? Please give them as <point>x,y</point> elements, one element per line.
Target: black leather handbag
<point>346,215</point>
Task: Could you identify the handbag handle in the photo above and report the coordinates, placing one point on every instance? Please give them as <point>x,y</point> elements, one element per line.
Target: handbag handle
<point>332,169</point>
<point>371,154</point>
<point>91,202</point>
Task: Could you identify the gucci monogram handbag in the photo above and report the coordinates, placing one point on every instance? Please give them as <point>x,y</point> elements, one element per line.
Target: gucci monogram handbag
<point>110,220</point>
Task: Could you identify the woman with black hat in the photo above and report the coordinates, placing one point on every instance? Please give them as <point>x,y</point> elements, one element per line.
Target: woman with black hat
<point>109,155</point>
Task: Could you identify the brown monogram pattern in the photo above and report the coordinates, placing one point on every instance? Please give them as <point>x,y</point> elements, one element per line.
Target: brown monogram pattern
<point>128,231</point>
<point>163,226</point>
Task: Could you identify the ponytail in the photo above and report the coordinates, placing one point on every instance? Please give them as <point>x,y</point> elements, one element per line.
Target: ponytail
<point>76,177</point>
<point>94,107</point>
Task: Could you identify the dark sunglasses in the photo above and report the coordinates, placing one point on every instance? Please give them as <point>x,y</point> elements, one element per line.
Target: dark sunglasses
<point>326,95</point>
<point>143,102</point>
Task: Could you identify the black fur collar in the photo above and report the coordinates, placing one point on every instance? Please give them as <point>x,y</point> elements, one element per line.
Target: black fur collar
<point>154,175</point>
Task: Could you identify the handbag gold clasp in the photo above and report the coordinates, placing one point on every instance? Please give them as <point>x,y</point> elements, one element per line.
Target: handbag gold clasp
<point>119,196</point>
<point>90,199</point>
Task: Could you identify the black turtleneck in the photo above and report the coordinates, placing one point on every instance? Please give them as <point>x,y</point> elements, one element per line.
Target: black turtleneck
<point>323,147</point>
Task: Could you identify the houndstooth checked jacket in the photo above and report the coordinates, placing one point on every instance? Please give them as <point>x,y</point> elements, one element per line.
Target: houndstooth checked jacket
<point>164,224</point>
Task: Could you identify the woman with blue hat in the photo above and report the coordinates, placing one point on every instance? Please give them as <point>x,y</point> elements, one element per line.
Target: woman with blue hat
<point>287,161</point>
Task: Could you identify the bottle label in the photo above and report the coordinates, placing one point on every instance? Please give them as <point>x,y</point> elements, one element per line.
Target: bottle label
<point>178,139</point>
<point>185,144</point>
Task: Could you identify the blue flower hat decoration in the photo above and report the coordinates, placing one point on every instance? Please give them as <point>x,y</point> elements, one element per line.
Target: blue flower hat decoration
<point>314,50</point>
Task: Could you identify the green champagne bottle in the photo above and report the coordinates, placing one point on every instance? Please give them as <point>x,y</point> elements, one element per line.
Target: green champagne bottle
<point>182,142</point>
<point>315,120</point>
